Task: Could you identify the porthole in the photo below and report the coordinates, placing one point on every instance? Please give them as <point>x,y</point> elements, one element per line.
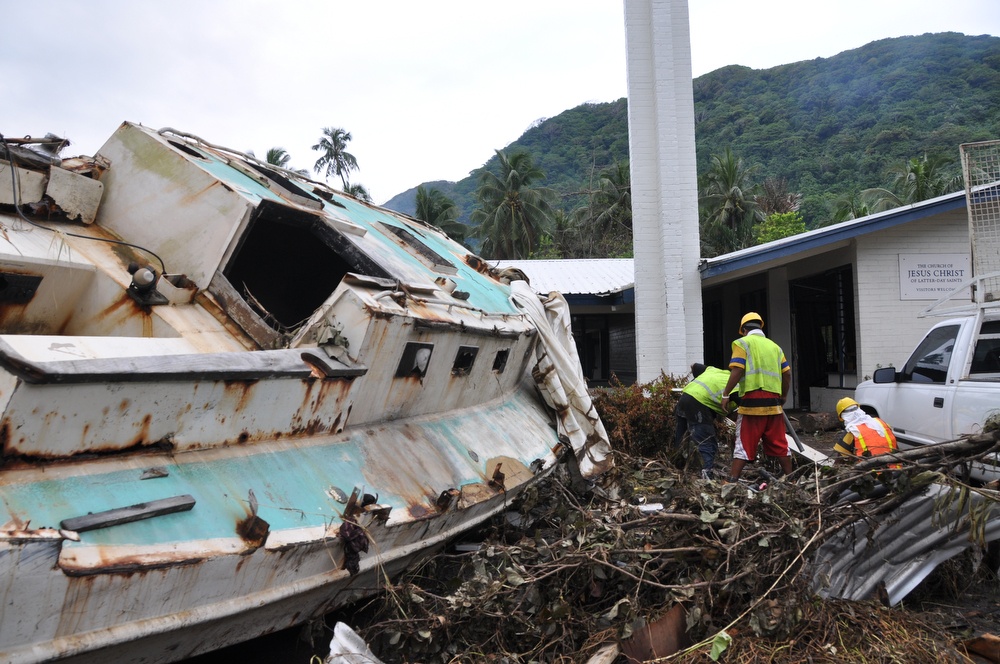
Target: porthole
<point>416,358</point>
<point>500,361</point>
<point>464,360</point>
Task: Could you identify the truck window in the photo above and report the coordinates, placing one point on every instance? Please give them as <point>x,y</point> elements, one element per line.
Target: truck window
<point>986,358</point>
<point>929,362</point>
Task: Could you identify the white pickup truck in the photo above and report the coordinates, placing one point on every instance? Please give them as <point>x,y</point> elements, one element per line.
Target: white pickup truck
<point>949,386</point>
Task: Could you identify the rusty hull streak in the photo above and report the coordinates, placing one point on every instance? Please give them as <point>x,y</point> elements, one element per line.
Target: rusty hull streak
<point>125,308</point>
<point>12,460</point>
<point>420,499</point>
<point>192,197</point>
<point>322,410</point>
<point>129,566</point>
<point>253,572</point>
<point>21,534</point>
<point>421,312</point>
<point>241,390</point>
<point>11,315</point>
<point>142,438</point>
<point>253,530</point>
<point>481,266</point>
<point>208,303</point>
<point>314,401</point>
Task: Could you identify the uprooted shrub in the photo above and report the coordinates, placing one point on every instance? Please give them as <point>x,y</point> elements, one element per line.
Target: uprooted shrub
<point>639,418</point>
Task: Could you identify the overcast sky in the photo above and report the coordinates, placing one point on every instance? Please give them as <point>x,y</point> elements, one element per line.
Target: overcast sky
<point>427,88</point>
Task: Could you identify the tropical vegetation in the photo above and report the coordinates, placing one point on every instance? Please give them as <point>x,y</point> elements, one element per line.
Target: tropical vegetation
<point>436,209</point>
<point>281,158</point>
<point>513,213</point>
<point>334,157</point>
<point>827,140</point>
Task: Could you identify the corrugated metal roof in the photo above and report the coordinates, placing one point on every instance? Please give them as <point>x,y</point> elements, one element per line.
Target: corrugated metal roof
<point>900,548</point>
<point>583,276</point>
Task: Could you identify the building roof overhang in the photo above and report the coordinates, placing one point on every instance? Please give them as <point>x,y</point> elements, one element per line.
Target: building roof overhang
<point>822,240</point>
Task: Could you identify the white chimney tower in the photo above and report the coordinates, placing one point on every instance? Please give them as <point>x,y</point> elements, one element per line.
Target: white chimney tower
<point>668,316</point>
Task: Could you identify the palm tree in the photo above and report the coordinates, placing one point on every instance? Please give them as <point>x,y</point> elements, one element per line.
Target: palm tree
<point>774,197</point>
<point>729,210</point>
<point>512,215</point>
<point>603,226</point>
<point>279,157</point>
<point>852,205</point>
<point>919,179</point>
<point>436,209</point>
<point>912,181</point>
<point>564,239</point>
<point>335,159</point>
<point>612,202</point>
<point>358,191</point>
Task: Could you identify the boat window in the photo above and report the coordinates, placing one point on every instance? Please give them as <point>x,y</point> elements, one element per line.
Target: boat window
<point>289,261</point>
<point>187,149</point>
<point>500,361</point>
<point>416,358</point>
<point>464,360</point>
<point>416,247</point>
<point>282,180</point>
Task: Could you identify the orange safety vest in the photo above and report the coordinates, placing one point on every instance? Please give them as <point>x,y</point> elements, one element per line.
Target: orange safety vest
<point>871,438</point>
<point>872,441</point>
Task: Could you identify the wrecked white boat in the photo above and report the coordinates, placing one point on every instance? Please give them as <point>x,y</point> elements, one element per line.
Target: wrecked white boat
<point>231,398</point>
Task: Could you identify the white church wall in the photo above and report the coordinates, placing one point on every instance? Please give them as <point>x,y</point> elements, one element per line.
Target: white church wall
<point>889,327</point>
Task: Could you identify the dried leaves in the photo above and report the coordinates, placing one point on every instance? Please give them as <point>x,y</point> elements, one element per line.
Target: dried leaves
<point>567,574</point>
<point>588,571</point>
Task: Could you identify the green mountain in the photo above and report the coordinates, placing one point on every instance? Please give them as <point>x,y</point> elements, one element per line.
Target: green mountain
<point>570,148</point>
<point>829,126</point>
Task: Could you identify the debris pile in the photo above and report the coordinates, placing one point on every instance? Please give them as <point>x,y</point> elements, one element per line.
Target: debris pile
<point>652,560</point>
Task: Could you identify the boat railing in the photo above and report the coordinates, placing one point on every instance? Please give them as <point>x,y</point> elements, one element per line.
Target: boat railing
<point>252,365</point>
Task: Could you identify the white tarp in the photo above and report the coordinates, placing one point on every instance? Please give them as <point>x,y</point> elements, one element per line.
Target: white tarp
<point>560,378</point>
<point>347,647</point>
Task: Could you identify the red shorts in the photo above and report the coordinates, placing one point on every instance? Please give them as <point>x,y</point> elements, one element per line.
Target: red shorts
<point>751,429</point>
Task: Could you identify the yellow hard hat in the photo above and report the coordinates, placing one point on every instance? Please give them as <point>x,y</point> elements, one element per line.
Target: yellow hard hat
<point>843,405</point>
<point>751,316</point>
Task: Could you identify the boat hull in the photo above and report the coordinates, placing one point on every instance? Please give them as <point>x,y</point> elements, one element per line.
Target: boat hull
<point>313,589</point>
<point>121,598</point>
<point>233,399</point>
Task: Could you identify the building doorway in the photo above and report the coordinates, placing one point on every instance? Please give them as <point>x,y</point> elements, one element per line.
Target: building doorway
<point>825,348</point>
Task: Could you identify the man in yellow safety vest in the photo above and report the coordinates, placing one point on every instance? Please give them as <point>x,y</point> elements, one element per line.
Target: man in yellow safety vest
<point>758,366</point>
